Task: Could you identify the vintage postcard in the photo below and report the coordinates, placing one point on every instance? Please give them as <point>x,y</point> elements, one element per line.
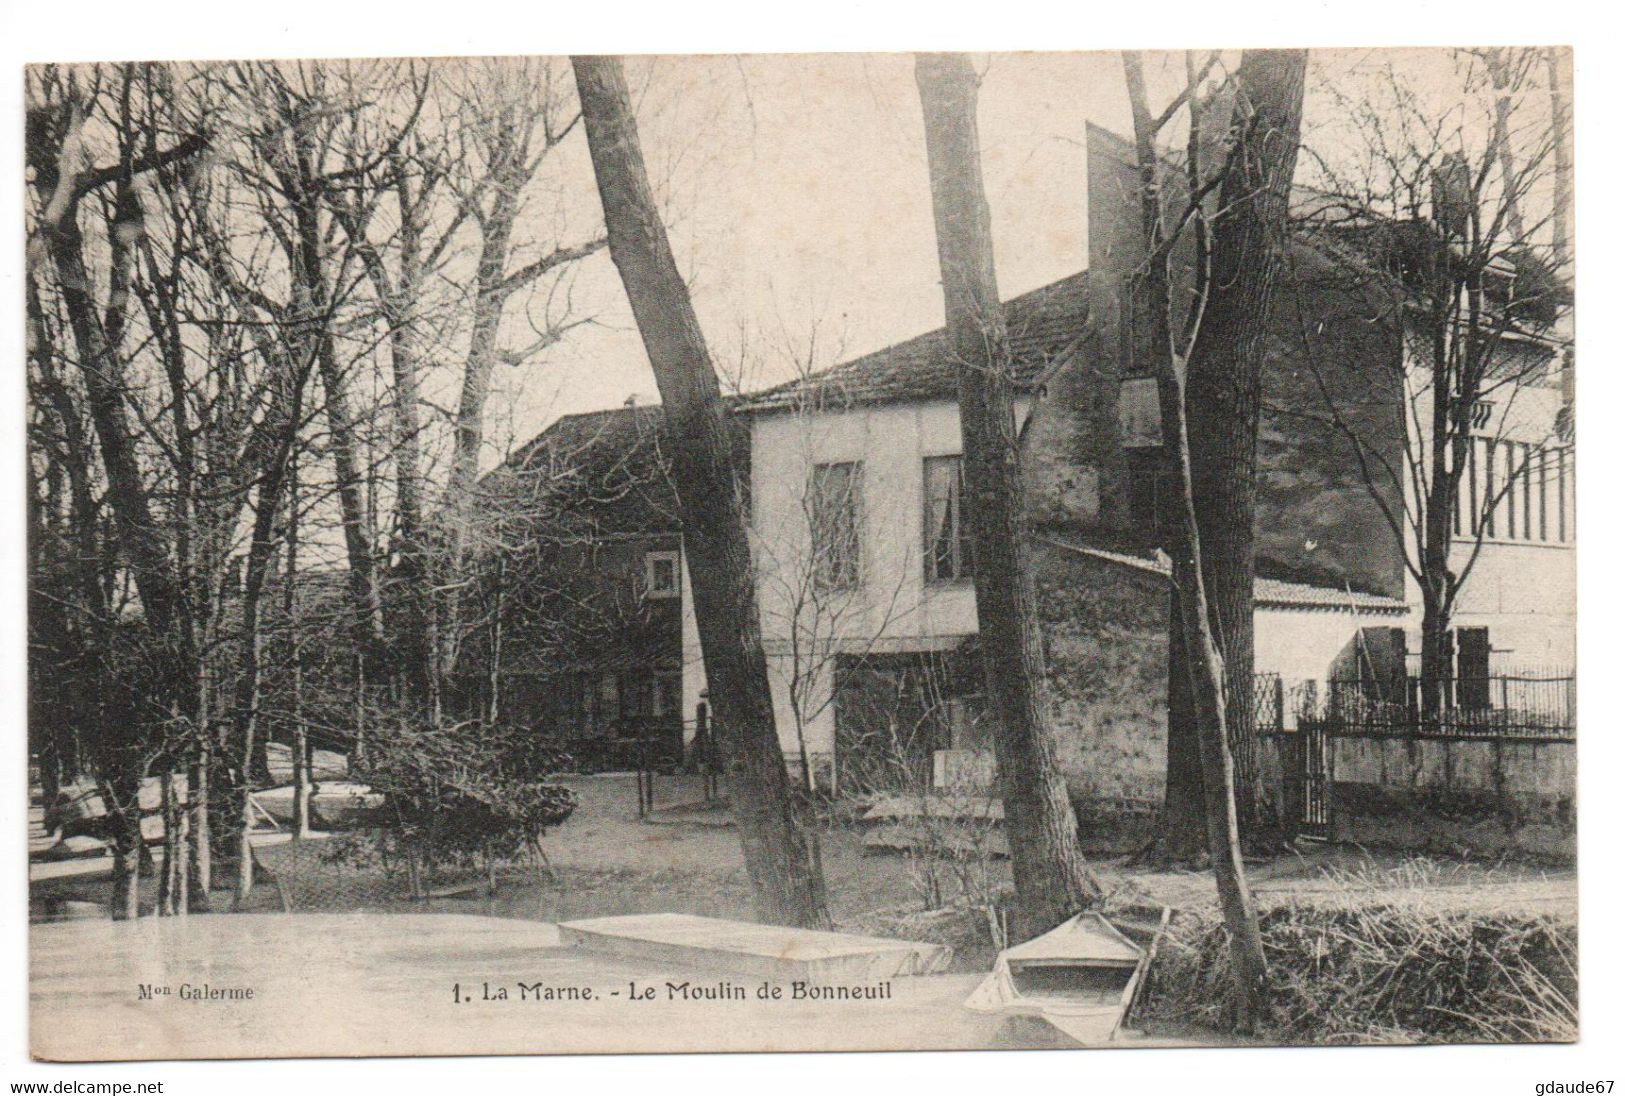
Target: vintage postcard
<point>540,555</point>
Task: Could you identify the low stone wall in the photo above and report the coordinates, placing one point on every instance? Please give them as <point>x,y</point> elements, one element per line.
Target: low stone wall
<point>1487,796</point>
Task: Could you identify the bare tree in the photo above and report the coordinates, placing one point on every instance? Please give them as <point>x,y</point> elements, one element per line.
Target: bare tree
<point>64,176</point>
<point>222,259</point>
<point>1052,880</point>
<point>1443,226</point>
<point>1240,247</point>
<point>1171,353</point>
<point>412,182</point>
<point>512,118</point>
<point>781,856</point>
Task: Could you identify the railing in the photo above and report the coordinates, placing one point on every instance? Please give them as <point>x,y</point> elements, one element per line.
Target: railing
<point>648,748</point>
<point>630,746</point>
<point>1530,704</point>
<point>1269,704</point>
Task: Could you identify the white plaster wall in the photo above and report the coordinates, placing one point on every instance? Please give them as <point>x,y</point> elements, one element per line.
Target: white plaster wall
<point>1300,644</point>
<point>1526,595</point>
<point>893,609</point>
<point>818,711</point>
<point>1523,591</point>
<point>892,600</point>
<point>693,665</point>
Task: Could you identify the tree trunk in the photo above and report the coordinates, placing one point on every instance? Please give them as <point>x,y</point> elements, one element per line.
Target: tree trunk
<point>285,414</point>
<point>490,298</point>
<point>313,336</point>
<point>1225,377</point>
<point>168,872</point>
<point>122,793</point>
<point>200,866</point>
<point>420,665</point>
<point>246,715</point>
<point>1182,830</point>
<point>367,621</point>
<point>1052,880</point>
<point>1438,658</point>
<point>1448,450</point>
<point>781,858</point>
<point>182,882</point>
<point>298,741</point>
<point>1203,659</point>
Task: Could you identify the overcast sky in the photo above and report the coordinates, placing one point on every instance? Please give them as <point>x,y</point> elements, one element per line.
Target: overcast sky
<point>799,204</point>
<point>797,200</point>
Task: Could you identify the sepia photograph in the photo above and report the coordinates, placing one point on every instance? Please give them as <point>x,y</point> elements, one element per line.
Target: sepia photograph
<point>625,554</point>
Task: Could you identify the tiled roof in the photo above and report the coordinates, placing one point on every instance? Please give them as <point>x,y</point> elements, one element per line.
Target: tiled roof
<point>1044,326</point>
<point>1268,593</point>
<point>604,469</point>
<point>617,428</point>
<point>601,471</point>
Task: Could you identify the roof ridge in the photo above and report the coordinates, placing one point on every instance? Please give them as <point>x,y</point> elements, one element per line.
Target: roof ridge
<point>1343,597</point>
<point>1025,314</point>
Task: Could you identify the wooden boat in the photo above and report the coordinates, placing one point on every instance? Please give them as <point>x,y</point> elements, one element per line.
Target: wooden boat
<point>1080,977</point>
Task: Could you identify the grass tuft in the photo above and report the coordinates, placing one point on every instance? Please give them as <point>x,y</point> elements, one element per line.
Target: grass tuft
<point>1374,961</point>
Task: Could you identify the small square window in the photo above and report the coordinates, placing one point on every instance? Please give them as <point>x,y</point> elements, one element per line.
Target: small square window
<point>660,574</point>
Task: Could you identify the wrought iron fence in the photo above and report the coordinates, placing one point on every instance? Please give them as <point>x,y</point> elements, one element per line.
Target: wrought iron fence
<point>631,746</point>
<point>1516,704</point>
<point>1269,703</point>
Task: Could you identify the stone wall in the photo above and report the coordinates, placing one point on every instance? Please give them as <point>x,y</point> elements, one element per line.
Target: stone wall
<point>1106,640</point>
<point>1480,795</point>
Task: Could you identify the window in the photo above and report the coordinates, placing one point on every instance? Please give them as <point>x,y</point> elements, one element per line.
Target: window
<point>1149,495</point>
<point>1139,415</point>
<point>608,704</point>
<point>1542,477</point>
<point>1473,508</point>
<point>1511,504</point>
<point>1562,495</point>
<point>634,696</point>
<point>1473,667</point>
<point>834,518</point>
<point>1526,474</point>
<point>947,541</point>
<point>1515,491</point>
<point>660,574</point>
<point>665,696</point>
<point>570,711</point>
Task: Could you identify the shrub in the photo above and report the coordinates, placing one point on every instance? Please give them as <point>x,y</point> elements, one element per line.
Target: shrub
<point>463,795</point>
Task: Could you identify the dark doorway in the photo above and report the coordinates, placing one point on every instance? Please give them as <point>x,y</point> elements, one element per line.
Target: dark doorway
<point>894,711</point>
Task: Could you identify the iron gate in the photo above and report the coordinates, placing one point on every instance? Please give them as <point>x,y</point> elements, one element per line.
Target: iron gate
<point>1314,780</point>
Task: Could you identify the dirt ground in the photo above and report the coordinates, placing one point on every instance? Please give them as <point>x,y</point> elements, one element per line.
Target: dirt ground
<point>687,860</point>
<point>608,861</point>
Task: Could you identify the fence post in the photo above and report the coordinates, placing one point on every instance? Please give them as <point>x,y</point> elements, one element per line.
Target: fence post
<point>702,748</point>
<point>646,775</point>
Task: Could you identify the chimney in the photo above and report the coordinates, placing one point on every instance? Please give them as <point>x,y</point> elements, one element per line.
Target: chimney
<point>1452,195</point>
